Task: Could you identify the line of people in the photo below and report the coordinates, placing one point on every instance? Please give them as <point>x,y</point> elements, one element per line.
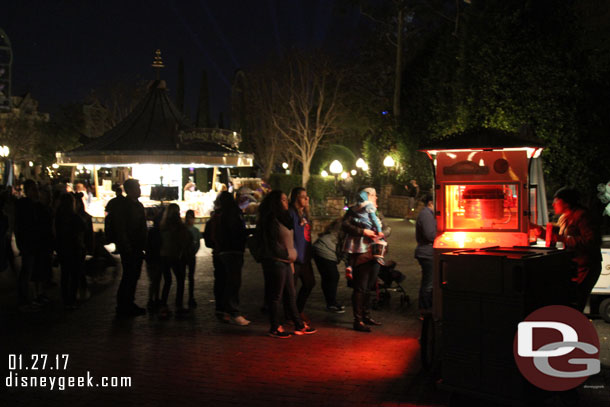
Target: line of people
<point>169,249</point>
<point>44,221</point>
<point>282,242</point>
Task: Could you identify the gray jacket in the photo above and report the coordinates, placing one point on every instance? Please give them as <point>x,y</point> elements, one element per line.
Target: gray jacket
<point>425,232</point>
<point>326,247</point>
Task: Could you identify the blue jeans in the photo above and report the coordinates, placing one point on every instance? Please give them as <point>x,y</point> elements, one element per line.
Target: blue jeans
<point>279,280</point>
<point>425,288</point>
<point>220,277</point>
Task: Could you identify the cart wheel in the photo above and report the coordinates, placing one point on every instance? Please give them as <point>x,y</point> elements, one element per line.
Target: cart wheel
<point>604,309</point>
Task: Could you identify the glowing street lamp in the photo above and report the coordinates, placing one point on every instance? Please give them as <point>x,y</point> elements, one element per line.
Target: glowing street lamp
<point>4,151</point>
<point>344,175</point>
<point>336,168</point>
<point>324,173</point>
<point>360,163</point>
<point>365,167</point>
<point>285,166</point>
<point>353,172</point>
<point>388,162</point>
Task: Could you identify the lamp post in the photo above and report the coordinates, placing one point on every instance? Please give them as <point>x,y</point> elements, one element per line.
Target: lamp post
<point>388,162</point>
<point>8,165</point>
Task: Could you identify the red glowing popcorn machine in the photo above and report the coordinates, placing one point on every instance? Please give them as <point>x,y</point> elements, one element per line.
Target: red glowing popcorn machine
<point>483,195</point>
<point>487,276</point>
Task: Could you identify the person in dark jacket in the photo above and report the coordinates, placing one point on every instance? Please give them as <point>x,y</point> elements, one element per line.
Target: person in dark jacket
<point>299,209</point>
<point>212,227</point>
<point>425,233</point>
<point>70,247</point>
<point>274,228</point>
<point>581,236</point>
<point>230,243</point>
<point>130,228</point>
<point>112,207</point>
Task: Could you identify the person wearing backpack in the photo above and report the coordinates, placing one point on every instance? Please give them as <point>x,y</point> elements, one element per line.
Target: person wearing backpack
<point>230,243</point>
<point>209,237</point>
<point>112,207</point>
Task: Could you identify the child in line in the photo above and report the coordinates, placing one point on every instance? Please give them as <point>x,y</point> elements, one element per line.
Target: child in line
<point>365,216</point>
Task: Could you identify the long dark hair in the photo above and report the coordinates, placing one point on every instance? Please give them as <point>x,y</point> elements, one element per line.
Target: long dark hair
<point>226,204</point>
<point>269,211</point>
<point>272,209</point>
<point>294,195</point>
<point>171,217</point>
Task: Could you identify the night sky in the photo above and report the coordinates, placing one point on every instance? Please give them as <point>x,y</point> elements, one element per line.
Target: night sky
<point>64,48</point>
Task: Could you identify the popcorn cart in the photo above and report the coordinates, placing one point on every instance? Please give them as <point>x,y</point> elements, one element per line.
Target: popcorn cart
<point>487,276</point>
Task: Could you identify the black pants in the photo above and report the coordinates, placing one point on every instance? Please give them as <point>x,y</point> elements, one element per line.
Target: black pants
<point>425,287</point>
<point>71,272</point>
<point>169,265</point>
<point>220,277</point>
<point>232,264</point>
<point>280,285</point>
<point>132,267</point>
<point>330,279</point>
<point>584,289</point>
<point>28,262</point>
<point>190,264</point>
<point>365,279</point>
<point>153,269</point>
<point>304,272</point>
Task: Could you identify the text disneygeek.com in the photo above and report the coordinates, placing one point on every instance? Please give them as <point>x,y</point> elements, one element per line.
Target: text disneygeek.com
<point>27,371</point>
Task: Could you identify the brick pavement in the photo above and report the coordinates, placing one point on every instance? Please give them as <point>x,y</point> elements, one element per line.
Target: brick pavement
<point>198,361</point>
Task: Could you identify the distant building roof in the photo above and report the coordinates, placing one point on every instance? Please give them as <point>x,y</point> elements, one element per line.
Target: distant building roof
<point>157,132</point>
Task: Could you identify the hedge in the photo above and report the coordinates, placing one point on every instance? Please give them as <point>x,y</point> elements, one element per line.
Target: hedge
<point>318,187</point>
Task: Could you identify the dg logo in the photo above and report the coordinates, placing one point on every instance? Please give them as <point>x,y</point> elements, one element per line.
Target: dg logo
<point>556,348</point>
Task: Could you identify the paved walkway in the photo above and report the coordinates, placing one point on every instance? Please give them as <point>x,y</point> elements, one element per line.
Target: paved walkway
<point>196,360</point>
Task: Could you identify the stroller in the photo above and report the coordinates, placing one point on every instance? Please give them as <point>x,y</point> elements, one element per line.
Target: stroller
<point>389,279</point>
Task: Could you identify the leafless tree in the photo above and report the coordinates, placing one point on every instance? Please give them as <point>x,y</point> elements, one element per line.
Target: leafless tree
<point>252,101</point>
<point>306,105</point>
